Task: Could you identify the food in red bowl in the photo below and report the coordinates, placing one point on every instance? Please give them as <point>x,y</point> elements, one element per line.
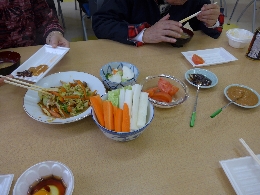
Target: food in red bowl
<point>9,61</point>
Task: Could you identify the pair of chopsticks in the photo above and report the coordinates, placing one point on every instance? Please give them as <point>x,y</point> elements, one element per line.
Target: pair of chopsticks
<point>191,16</point>
<point>250,151</point>
<point>22,84</point>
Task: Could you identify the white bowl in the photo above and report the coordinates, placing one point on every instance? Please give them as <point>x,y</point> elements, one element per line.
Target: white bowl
<point>31,97</point>
<point>43,169</point>
<point>243,86</point>
<point>107,68</point>
<point>239,38</point>
<point>125,136</point>
<point>210,75</point>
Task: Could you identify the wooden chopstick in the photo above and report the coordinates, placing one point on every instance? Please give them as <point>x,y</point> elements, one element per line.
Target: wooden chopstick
<point>27,85</point>
<point>191,16</point>
<point>250,151</point>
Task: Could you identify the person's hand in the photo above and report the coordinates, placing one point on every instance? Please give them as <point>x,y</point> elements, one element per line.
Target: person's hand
<point>2,79</point>
<point>55,38</point>
<point>164,30</point>
<point>209,14</point>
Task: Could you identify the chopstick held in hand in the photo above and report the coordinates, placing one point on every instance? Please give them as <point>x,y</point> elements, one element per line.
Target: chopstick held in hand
<point>191,16</point>
<point>26,85</point>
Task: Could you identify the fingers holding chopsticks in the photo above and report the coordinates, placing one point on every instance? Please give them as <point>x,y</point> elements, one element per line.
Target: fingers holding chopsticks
<point>209,14</point>
<point>164,30</point>
<point>2,79</point>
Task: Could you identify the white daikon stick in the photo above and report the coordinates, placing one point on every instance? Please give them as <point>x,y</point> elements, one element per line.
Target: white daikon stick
<point>142,111</point>
<point>134,115</point>
<point>121,98</point>
<point>129,99</point>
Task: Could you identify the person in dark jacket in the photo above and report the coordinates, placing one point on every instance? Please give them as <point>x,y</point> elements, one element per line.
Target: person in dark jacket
<point>136,22</point>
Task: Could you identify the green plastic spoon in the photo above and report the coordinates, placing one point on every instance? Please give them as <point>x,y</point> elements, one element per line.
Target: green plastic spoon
<point>220,110</point>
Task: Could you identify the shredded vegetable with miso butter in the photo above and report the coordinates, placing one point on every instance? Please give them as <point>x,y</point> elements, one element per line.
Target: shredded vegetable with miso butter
<point>69,100</point>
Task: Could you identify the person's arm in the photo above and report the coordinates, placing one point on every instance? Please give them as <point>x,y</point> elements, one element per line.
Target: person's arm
<point>122,21</point>
<point>110,21</point>
<point>210,20</point>
<point>49,31</point>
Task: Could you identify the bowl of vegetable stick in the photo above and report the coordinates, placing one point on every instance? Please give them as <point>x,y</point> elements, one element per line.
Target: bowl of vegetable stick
<point>165,91</point>
<point>122,114</point>
<point>116,75</point>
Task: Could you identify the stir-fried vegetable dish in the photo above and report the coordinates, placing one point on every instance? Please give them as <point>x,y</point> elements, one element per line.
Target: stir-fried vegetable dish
<point>69,100</point>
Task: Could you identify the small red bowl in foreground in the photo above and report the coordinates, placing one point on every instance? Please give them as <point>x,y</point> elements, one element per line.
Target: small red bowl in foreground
<point>11,57</point>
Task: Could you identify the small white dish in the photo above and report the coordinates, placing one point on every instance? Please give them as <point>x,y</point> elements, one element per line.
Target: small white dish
<point>45,55</point>
<point>210,75</point>
<point>239,85</point>
<point>40,170</point>
<point>210,56</point>
<point>5,183</point>
<point>243,174</point>
<point>31,97</point>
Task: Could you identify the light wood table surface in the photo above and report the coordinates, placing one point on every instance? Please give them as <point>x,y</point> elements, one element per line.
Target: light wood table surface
<point>169,158</point>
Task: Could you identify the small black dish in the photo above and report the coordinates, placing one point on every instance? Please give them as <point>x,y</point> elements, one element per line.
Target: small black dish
<point>13,60</point>
<point>181,41</point>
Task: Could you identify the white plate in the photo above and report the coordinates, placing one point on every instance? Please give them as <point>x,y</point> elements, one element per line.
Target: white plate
<point>46,55</point>
<point>206,73</point>
<point>31,97</point>
<point>210,56</point>
<point>243,174</point>
<point>5,183</point>
<point>225,92</point>
<point>44,169</point>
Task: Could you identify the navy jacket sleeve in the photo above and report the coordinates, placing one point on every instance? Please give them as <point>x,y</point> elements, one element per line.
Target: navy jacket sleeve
<point>111,21</point>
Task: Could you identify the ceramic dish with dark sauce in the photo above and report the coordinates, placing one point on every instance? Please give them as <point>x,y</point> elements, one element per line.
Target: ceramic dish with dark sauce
<point>196,75</point>
<point>199,79</point>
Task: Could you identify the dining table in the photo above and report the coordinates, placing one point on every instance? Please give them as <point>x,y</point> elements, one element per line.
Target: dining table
<point>169,157</point>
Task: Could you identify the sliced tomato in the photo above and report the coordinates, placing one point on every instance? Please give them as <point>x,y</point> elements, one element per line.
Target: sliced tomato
<point>152,90</point>
<point>161,96</point>
<point>167,87</point>
<point>197,59</point>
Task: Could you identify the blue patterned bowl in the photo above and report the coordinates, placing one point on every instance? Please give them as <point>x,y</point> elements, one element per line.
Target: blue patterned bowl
<point>125,136</point>
<point>106,69</point>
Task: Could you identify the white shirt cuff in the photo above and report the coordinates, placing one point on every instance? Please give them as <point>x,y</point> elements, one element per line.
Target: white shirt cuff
<point>139,37</point>
<point>215,25</point>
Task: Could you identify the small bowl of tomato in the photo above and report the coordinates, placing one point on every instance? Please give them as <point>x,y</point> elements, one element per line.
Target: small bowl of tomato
<point>165,91</point>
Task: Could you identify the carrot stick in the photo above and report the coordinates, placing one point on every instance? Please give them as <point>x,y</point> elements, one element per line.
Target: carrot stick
<point>118,120</point>
<point>108,115</point>
<point>126,119</point>
<point>96,103</point>
<point>114,112</point>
